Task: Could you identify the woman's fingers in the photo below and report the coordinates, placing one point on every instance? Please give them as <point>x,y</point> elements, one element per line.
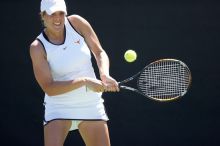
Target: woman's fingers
<point>111,88</point>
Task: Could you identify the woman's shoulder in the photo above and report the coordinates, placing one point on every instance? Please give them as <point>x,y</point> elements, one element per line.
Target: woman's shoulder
<point>36,47</point>
<point>78,22</point>
<point>36,44</point>
<point>75,17</point>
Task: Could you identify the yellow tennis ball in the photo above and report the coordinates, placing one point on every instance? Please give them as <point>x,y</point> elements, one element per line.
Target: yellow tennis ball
<point>130,55</point>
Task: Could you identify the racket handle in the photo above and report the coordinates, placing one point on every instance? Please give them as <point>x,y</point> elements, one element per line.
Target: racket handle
<point>128,79</point>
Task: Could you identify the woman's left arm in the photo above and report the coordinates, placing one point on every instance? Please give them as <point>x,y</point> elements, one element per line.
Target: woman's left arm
<point>85,29</point>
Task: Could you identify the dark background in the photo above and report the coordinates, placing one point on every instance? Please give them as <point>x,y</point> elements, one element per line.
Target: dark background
<point>188,30</point>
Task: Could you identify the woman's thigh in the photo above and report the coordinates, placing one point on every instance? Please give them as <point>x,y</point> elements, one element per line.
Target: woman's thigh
<point>95,133</point>
<point>55,132</point>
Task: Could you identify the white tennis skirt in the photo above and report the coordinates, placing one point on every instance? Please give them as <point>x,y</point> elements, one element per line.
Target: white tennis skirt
<point>77,105</point>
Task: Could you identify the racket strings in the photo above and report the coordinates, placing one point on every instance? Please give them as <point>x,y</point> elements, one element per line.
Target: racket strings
<point>164,80</point>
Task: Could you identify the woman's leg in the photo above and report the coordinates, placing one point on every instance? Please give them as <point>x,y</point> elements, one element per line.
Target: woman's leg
<point>95,133</point>
<point>55,132</point>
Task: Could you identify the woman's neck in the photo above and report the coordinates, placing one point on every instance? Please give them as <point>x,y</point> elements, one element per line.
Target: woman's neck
<point>55,37</point>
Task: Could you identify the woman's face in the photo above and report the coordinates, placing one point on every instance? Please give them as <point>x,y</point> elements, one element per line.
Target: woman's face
<point>55,21</point>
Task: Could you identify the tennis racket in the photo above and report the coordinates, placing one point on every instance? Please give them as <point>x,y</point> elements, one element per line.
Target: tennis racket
<point>162,80</point>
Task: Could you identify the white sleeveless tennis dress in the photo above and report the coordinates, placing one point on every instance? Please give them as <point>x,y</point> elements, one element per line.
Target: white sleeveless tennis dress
<point>68,61</point>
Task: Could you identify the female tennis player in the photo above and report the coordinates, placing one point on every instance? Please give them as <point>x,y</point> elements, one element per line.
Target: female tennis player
<point>61,59</point>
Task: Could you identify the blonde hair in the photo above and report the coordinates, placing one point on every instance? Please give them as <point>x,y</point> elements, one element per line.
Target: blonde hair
<point>41,18</point>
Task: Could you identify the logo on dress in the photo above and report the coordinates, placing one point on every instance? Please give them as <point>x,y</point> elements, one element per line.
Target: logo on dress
<point>77,42</point>
<point>64,48</point>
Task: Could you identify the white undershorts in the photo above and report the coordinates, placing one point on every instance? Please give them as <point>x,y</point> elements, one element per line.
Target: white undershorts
<point>75,125</point>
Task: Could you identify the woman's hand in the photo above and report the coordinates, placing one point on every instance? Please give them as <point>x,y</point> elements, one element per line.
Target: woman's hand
<point>110,84</point>
<point>94,84</point>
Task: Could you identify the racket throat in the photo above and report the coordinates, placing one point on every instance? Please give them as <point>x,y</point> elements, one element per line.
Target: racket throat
<point>129,88</point>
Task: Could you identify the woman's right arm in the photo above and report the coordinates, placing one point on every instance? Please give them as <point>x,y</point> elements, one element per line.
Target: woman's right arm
<point>44,78</point>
